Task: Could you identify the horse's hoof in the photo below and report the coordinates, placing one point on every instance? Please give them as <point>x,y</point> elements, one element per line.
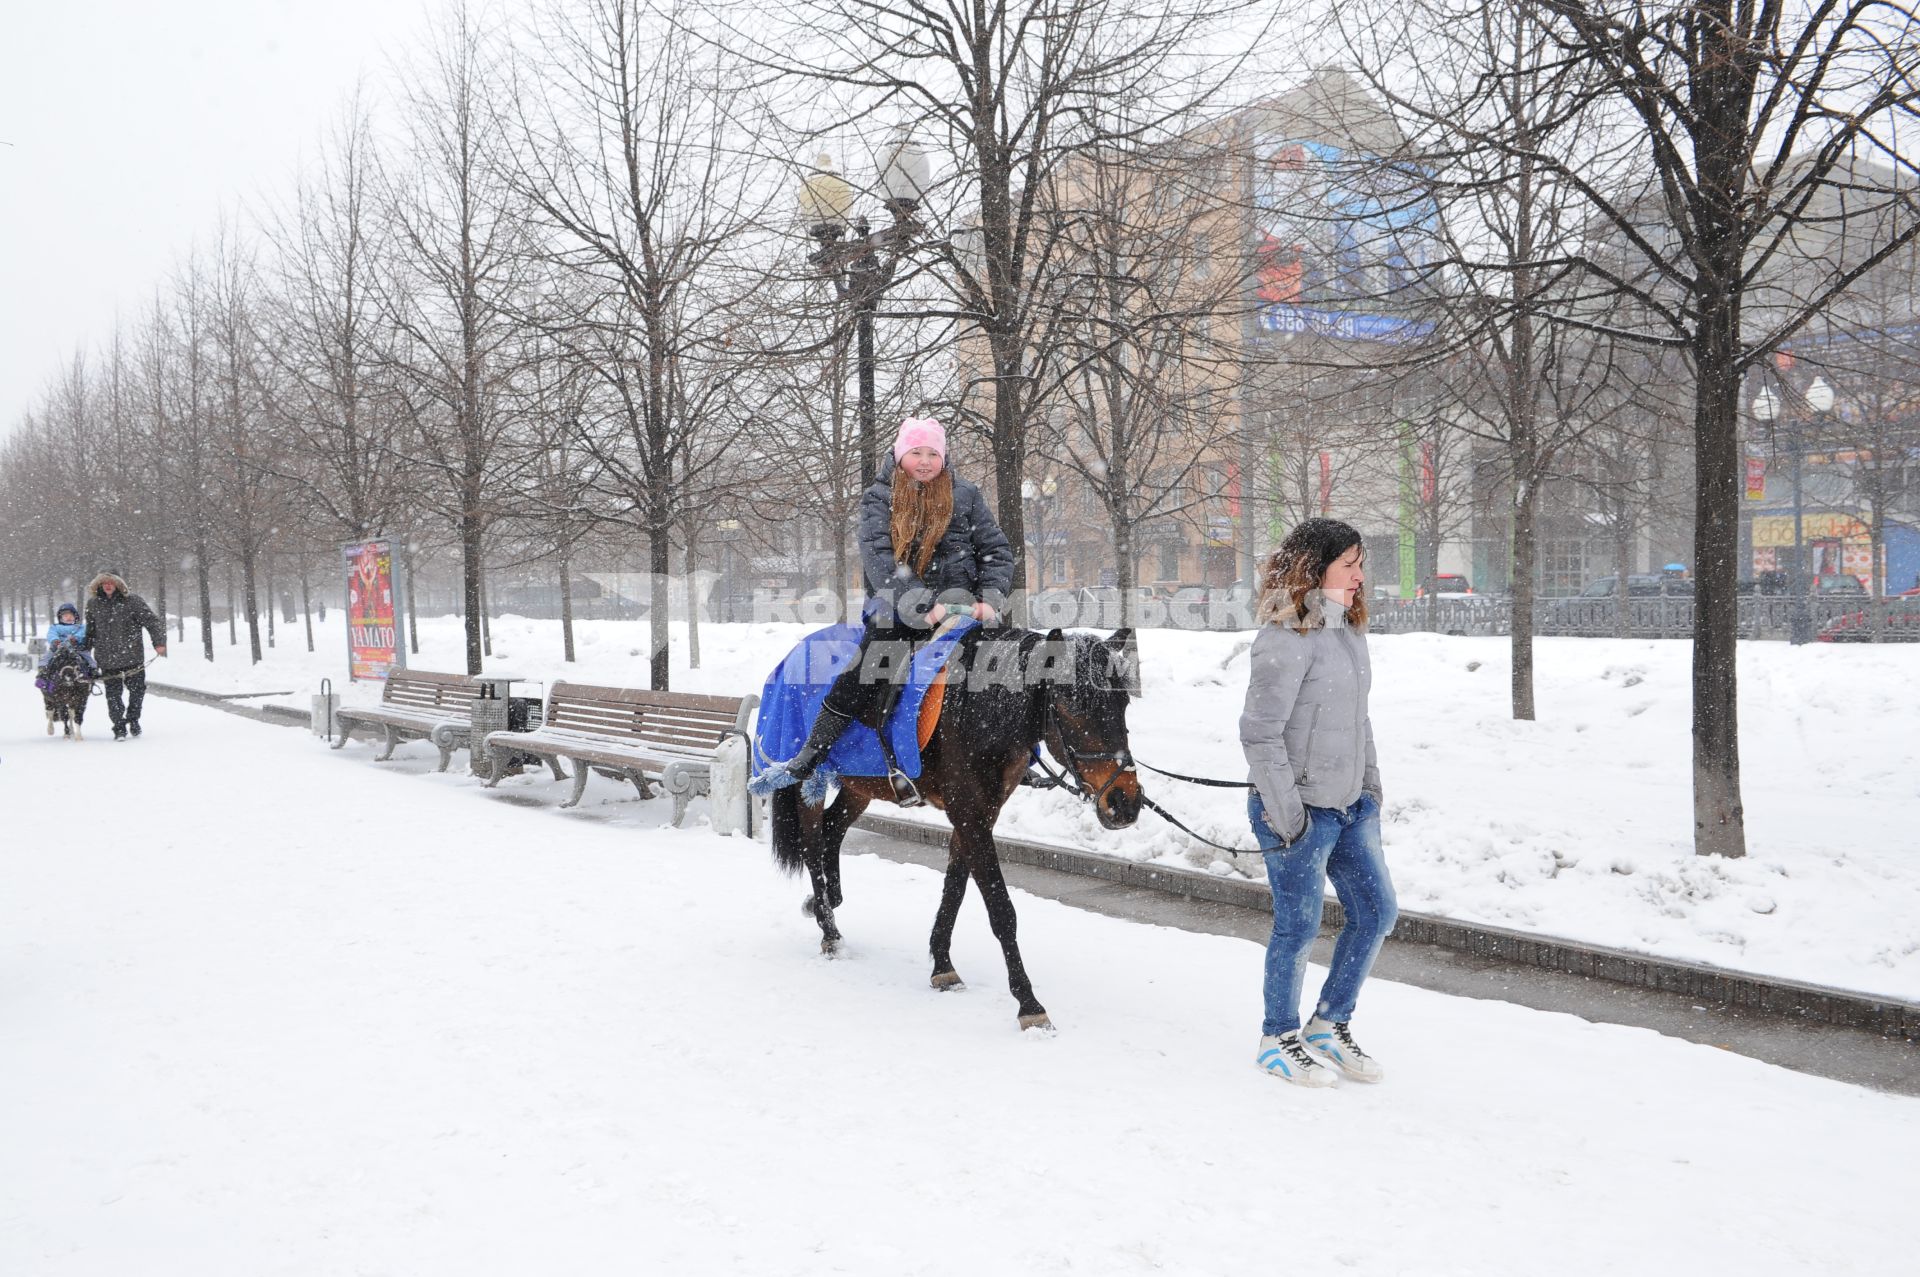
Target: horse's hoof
<point>830,947</point>
<point>944,980</point>
<point>1037,1021</point>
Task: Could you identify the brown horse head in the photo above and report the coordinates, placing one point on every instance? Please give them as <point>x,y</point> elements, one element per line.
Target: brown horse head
<point>1085,697</point>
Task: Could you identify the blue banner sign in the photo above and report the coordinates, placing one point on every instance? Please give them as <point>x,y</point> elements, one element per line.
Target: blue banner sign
<point>1283,318</point>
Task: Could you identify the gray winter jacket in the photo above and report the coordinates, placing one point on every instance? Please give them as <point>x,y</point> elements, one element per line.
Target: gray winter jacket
<point>974,562</point>
<point>1305,729</point>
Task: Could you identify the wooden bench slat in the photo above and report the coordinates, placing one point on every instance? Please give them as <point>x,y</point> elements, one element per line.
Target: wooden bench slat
<point>644,696</point>
<point>632,732</point>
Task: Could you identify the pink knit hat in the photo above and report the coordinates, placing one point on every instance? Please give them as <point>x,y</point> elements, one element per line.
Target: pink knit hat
<point>920,432</point>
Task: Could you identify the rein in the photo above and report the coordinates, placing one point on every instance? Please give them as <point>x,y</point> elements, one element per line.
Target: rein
<point>1073,784</point>
<point>101,679</point>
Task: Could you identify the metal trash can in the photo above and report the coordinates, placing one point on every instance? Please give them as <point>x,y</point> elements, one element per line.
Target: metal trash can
<point>490,714</point>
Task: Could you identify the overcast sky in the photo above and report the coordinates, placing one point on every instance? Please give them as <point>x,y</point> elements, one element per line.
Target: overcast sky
<point>126,126</point>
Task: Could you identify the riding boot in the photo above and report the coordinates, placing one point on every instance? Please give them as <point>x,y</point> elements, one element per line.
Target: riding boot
<point>905,792</point>
<point>826,730</point>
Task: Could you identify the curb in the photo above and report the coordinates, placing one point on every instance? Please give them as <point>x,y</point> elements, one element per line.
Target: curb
<point>1794,999</point>
<point>283,715</point>
<point>1887,1017</point>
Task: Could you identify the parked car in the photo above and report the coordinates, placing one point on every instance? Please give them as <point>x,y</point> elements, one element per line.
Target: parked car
<point>1641,585</point>
<point>1902,622</point>
<point>1445,585</point>
<point>1767,584</point>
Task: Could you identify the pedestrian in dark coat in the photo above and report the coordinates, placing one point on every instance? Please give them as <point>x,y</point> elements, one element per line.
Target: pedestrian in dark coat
<point>929,549</point>
<point>116,620</point>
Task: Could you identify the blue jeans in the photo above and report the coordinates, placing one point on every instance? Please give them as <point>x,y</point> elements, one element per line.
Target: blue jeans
<point>1343,846</point>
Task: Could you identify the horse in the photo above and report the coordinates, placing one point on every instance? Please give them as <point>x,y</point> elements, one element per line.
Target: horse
<point>1008,690</point>
<point>64,685</point>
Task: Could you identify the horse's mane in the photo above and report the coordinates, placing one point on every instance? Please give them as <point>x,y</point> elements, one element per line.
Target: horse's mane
<point>1087,667</point>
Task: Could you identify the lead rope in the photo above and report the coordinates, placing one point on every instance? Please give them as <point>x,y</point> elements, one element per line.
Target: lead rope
<point>1054,780</point>
<point>119,676</point>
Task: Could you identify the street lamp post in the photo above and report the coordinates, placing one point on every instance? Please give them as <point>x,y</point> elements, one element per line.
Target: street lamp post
<point>863,264</point>
<point>1767,406</point>
<point>729,530</point>
<point>1038,497</point>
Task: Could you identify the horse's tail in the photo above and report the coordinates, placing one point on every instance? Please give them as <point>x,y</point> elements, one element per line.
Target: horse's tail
<point>787,838</point>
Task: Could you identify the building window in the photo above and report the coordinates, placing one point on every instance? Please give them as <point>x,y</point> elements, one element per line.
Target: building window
<point>1563,567</point>
<point>1170,561</point>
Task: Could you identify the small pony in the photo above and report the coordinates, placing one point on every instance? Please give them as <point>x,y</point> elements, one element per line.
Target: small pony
<point>65,683</point>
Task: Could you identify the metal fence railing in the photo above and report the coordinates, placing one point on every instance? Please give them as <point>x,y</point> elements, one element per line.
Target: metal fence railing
<point>1849,619</point>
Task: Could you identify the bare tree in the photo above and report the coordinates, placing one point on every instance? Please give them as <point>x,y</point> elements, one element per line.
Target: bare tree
<point>1765,182</point>
<point>1011,92</point>
<point>626,156</point>
<point>1142,360</point>
<point>324,321</point>
<point>451,298</point>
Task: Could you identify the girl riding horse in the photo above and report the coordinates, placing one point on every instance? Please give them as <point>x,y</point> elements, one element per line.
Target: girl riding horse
<point>929,547</point>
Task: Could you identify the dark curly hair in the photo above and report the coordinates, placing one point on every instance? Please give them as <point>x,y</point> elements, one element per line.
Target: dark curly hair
<point>1296,569</point>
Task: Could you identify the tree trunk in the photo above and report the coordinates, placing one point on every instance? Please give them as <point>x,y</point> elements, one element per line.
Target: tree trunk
<point>1719,818</point>
<point>693,602</point>
<point>1876,574</point>
<point>660,565</point>
<point>486,615</point>
<point>250,599</point>
<point>413,611</point>
<point>204,579</point>
<point>1525,553</point>
<point>1623,530</point>
<point>566,609</point>
<point>306,599</point>
<point>1009,461</point>
<point>842,586</point>
<point>470,586</point>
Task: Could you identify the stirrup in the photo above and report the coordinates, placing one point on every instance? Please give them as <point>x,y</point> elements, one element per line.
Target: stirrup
<point>905,792</point>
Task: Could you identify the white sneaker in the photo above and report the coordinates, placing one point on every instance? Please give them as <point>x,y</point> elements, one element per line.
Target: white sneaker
<point>1332,1042</point>
<point>1284,1057</point>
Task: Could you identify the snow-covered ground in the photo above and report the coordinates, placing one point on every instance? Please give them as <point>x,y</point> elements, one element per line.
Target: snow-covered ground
<point>1577,825</point>
<point>270,1009</point>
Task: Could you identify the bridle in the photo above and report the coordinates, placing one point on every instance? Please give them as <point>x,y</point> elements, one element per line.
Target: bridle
<point>1075,782</point>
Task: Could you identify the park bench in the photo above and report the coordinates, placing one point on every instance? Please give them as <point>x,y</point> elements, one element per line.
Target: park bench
<point>416,705</point>
<point>36,648</point>
<point>645,737</point>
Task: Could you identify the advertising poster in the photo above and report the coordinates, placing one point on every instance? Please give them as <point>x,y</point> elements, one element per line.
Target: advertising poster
<point>1342,236</point>
<point>373,630</point>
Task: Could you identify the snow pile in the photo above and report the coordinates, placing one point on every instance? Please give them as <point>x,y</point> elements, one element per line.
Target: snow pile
<point>1578,825</point>
<point>273,1010</point>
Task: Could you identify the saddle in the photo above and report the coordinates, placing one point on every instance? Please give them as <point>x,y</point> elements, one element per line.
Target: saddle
<point>797,688</point>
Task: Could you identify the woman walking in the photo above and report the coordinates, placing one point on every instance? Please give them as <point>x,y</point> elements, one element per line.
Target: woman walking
<point>928,547</point>
<point>1315,804</point>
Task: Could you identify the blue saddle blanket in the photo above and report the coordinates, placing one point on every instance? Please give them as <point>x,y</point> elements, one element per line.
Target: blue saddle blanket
<point>795,691</point>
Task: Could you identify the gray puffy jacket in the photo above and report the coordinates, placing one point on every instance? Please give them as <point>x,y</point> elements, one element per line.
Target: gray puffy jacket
<point>1306,731</point>
<point>973,563</point>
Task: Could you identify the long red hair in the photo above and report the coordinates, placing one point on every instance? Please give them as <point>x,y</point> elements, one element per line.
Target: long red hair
<point>921,513</point>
